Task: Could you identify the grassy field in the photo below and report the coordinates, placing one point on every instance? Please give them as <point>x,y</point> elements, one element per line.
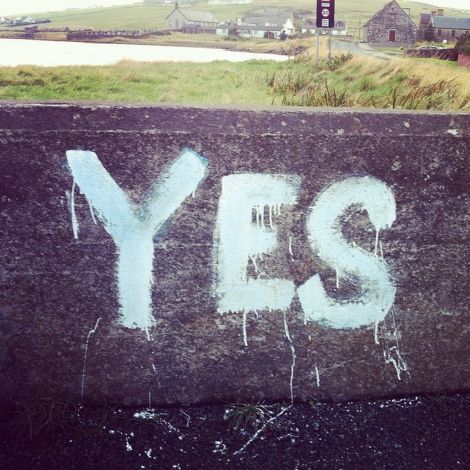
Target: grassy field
<point>346,81</point>
<point>148,16</point>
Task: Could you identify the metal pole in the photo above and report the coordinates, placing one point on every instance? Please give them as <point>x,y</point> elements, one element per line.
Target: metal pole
<point>318,47</point>
<point>329,45</point>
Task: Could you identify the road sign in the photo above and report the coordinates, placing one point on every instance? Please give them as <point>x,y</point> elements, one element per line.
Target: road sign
<point>325,13</point>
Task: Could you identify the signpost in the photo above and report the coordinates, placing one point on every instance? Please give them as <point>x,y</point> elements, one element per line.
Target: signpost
<point>325,19</point>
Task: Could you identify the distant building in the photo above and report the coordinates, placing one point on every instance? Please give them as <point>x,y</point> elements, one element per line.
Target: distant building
<point>390,26</point>
<point>308,26</point>
<point>182,18</point>
<point>227,28</point>
<point>435,26</point>
<point>340,28</point>
<point>267,23</point>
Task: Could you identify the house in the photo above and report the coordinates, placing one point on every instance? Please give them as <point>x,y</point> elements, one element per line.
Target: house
<point>390,26</point>
<point>184,19</point>
<point>424,27</point>
<point>309,27</point>
<point>340,28</point>
<point>449,29</point>
<point>267,23</point>
<point>435,26</point>
<point>227,28</point>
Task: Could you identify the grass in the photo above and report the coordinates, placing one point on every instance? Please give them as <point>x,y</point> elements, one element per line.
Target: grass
<point>402,83</point>
<point>152,15</point>
<point>248,415</point>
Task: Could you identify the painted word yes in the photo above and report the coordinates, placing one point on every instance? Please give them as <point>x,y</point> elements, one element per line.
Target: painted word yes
<point>237,239</point>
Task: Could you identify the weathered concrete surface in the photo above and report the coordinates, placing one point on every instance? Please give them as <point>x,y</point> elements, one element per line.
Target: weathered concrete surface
<point>54,287</point>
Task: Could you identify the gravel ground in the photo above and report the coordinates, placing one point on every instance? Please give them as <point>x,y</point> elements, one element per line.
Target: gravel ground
<point>414,432</point>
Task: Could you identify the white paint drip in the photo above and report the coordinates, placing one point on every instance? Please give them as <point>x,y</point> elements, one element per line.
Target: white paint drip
<point>286,328</point>
<point>317,375</point>
<point>350,262</point>
<point>134,228</point>
<point>397,361</point>
<point>337,280</point>
<point>237,239</point>
<point>91,212</point>
<point>72,212</point>
<point>376,332</point>
<point>290,249</point>
<point>245,341</point>
<point>292,367</point>
<point>90,333</point>
<point>381,250</point>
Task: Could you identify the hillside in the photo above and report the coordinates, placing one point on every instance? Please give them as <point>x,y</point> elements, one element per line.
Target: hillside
<point>149,15</point>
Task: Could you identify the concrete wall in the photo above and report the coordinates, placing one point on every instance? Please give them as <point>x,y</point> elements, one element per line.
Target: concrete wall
<point>189,255</point>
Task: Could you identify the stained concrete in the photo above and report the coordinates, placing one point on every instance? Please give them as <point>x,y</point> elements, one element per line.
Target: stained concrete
<point>54,287</point>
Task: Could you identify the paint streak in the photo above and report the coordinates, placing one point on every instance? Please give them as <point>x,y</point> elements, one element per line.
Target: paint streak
<point>392,354</point>
<point>238,238</point>
<point>245,341</point>
<point>350,262</point>
<point>376,331</point>
<point>133,228</point>
<point>85,356</point>
<point>292,367</point>
<point>290,249</point>
<point>72,212</point>
<point>317,375</point>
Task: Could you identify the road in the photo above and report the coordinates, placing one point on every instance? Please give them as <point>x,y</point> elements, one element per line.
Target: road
<point>359,48</point>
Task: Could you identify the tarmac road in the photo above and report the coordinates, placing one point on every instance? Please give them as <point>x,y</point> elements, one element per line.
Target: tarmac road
<point>408,433</point>
<point>359,48</point>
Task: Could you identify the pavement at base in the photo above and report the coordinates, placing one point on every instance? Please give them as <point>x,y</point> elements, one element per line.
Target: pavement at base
<point>431,432</point>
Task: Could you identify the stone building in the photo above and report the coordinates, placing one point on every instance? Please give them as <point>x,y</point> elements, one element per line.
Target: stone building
<point>184,19</point>
<point>390,26</point>
<point>435,26</point>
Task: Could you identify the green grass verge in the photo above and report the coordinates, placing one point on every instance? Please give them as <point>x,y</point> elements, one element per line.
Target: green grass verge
<point>346,81</point>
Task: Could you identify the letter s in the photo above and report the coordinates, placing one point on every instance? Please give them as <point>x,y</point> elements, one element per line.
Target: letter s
<point>350,262</point>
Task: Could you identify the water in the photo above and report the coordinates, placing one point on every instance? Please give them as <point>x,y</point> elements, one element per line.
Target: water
<point>52,53</point>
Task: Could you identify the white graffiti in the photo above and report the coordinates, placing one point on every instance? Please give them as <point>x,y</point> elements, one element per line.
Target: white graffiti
<point>237,240</point>
<point>133,228</point>
<point>350,262</point>
<point>245,232</point>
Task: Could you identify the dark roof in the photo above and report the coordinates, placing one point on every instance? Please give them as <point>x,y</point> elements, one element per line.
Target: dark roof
<point>195,15</point>
<point>447,22</point>
<point>385,7</point>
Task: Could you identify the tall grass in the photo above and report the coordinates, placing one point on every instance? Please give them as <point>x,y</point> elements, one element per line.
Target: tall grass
<point>345,81</point>
<point>359,82</point>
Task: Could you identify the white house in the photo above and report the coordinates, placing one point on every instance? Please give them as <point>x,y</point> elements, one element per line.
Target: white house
<point>227,28</point>
<point>271,23</point>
